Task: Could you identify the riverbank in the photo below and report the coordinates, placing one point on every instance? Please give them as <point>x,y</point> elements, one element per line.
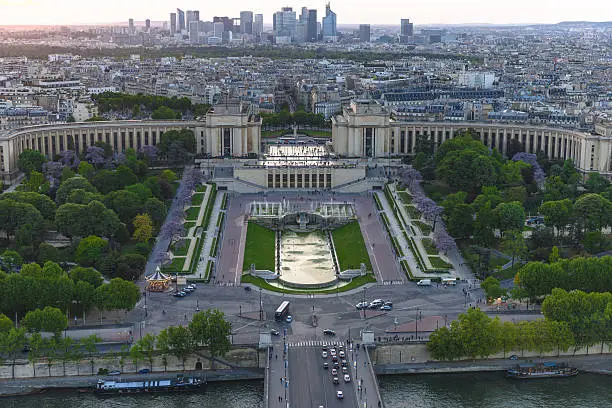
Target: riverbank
<point>595,364</point>
<point>29,386</point>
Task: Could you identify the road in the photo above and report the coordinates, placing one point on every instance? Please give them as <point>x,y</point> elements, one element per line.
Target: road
<point>311,386</point>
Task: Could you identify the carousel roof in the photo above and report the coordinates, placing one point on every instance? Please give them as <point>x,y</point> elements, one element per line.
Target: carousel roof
<point>157,276</point>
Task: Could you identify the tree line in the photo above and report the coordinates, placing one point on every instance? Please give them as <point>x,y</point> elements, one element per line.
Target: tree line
<point>207,329</point>
<point>285,119</point>
<point>158,107</point>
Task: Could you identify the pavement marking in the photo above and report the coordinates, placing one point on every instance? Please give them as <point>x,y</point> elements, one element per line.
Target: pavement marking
<point>315,343</point>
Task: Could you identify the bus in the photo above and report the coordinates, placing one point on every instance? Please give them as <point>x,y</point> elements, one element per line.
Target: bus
<point>282,311</point>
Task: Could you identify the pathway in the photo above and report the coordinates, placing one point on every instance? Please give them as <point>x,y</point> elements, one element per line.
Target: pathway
<point>191,235</point>
<point>211,232</point>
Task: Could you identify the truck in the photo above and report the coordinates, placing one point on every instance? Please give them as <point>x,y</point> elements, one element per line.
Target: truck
<point>424,282</point>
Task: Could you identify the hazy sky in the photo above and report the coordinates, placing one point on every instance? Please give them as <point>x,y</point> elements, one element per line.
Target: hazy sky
<point>16,12</point>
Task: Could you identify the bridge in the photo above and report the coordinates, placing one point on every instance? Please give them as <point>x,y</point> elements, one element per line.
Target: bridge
<point>296,377</point>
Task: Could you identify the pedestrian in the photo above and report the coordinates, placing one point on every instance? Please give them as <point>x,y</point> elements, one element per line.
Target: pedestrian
<point>276,356</point>
<point>281,380</point>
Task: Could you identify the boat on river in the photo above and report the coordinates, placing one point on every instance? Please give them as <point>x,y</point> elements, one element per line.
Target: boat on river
<point>180,383</point>
<point>541,370</point>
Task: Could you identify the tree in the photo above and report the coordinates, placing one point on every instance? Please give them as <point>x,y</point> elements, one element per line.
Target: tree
<point>136,354</point>
<point>164,112</point>
<point>163,346</point>
<point>593,212</point>
<point>90,344</point>
<point>11,260</point>
<point>467,170</point>
<point>89,275</point>
<point>15,216</point>
<point>36,343</point>
<point>180,342</point>
<point>90,250</point>
<point>168,175</point>
<point>50,319</point>
<point>130,266</point>
<point>30,160</point>
<point>143,228</point>
<point>211,329</point>
<point>125,203</point>
<point>461,221</point>
<point>477,334</point>
<point>6,324</point>
<point>119,294</point>
<point>514,242</point>
<point>76,220</point>
<point>510,216</point>
<point>64,348</point>
<point>595,242</point>
<point>557,214</point>
<point>77,182</point>
<point>12,345</point>
<point>492,288</point>
<point>156,209</point>
<point>36,183</point>
<point>86,170</point>
<point>146,346</point>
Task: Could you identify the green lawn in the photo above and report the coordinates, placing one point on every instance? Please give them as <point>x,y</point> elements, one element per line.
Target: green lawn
<point>425,228</point>
<point>259,248</point>
<point>439,263</point>
<point>189,224</point>
<point>197,199</point>
<point>176,265</point>
<point>201,189</point>
<point>181,250</point>
<point>192,213</point>
<point>436,190</point>
<point>405,196</point>
<point>353,284</point>
<point>429,246</point>
<point>350,248</point>
<point>413,212</point>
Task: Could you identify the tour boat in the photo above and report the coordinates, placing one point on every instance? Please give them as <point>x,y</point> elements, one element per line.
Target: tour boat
<point>541,370</point>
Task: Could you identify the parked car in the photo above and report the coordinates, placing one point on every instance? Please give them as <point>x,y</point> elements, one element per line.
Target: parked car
<point>513,357</point>
<point>362,305</point>
<point>388,304</point>
<point>377,302</point>
<point>329,332</point>
<point>247,288</point>
<point>274,332</point>
<point>144,371</point>
<point>114,372</point>
<point>386,308</point>
<point>344,363</point>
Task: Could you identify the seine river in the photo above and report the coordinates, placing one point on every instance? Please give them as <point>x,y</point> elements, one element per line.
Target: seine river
<point>423,391</point>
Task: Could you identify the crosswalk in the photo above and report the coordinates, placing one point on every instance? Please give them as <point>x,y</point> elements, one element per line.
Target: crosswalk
<point>315,343</point>
<point>393,282</point>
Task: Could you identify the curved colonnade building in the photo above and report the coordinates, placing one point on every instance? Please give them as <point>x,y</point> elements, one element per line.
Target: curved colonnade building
<point>365,130</point>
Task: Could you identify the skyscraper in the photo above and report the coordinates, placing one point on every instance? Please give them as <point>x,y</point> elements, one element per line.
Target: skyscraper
<point>180,23</point>
<point>228,23</point>
<point>172,23</point>
<point>312,25</point>
<point>285,24</point>
<point>246,22</point>
<point>258,24</point>
<point>192,15</point>
<point>329,25</point>
<point>148,24</point>
<point>405,30</point>
<point>364,33</point>
<point>131,25</point>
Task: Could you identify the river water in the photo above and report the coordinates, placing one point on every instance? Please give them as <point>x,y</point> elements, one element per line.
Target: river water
<point>403,391</point>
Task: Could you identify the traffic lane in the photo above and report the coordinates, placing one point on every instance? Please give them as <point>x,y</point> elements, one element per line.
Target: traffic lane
<point>313,384</point>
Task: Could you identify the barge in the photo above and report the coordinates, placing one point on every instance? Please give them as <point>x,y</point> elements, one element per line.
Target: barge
<point>541,370</point>
<point>149,386</point>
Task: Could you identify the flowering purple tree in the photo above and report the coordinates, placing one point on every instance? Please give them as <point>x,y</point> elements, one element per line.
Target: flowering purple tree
<point>161,258</point>
<point>444,242</point>
<point>410,175</point>
<point>531,159</point>
<point>53,172</point>
<point>95,155</point>
<point>69,158</point>
<point>172,230</point>
<point>149,152</point>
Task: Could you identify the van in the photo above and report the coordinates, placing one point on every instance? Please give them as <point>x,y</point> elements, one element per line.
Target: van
<point>449,281</point>
<point>424,282</point>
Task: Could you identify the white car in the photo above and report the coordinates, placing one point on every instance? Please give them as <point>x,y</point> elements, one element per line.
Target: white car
<point>324,354</point>
<point>341,354</point>
<point>339,394</point>
<point>332,352</point>
<point>347,378</point>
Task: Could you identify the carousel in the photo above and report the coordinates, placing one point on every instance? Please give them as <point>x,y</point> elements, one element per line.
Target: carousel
<point>157,282</point>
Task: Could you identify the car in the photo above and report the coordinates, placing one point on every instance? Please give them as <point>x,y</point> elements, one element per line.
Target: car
<point>513,357</point>
<point>339,394</point>
<point>289,319</point>
<point>114,372</point>
<point>179,294</point>
<point>347,378</point>
<point>334,372</point>
<point>386,307</point>
<point>187,290</point>
<point>27,348</point>
<point>144,371</point>
<point>376,303</point>
<point>388,304</point>
<point>324,348</point>
<point>344,363</point>
<point>341,354</point>
<point>332,351</point>
<point>329,332</point>
<point>345,370</point>
<point>361,305</point>
<point>193,285</point>
<point>335,380</point>
<point>336,366</point>
<point>247,288</point>
<point>335,359</point>
<point>324,354</point>
<point>274,332</point>
<point>326,366</point>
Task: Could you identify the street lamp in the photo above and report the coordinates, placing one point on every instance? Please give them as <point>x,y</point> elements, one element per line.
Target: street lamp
<point>260,306</point>
<point>416,325</point>
<point>197,305</point>
<point>363,303</point>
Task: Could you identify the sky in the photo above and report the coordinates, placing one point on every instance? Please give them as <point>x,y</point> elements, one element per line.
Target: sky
<point>60,12</point>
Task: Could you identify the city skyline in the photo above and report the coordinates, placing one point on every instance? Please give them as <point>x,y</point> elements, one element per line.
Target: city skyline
<point>386,12</point>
